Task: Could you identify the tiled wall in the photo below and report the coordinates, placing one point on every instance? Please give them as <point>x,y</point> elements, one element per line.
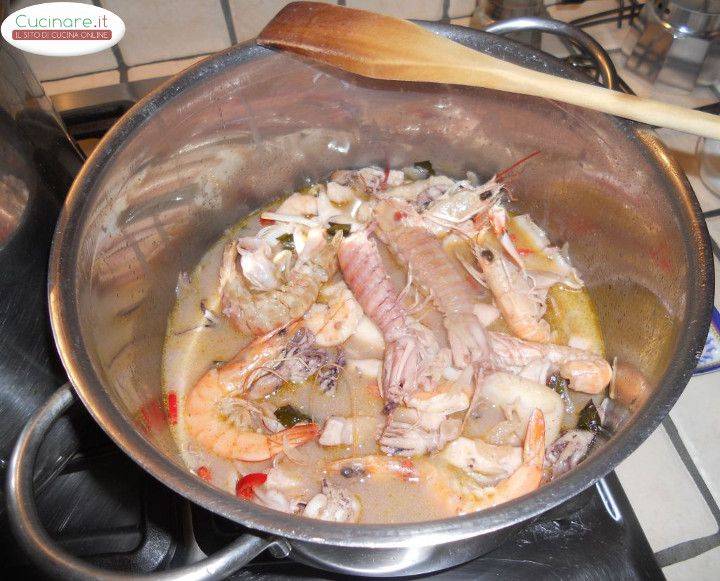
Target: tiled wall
<point>163,37</point>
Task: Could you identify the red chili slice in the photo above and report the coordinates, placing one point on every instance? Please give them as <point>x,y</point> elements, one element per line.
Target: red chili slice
<point>245,486</point>
<point>266,222</point>
<point>204,473</point>
<point>172,407</point>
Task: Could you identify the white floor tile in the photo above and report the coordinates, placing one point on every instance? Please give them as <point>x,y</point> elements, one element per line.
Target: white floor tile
<point>81,83</point>
<point>663,494</point>
<point>713,225</point>
<point>696,417</point>
<point>705,567</point>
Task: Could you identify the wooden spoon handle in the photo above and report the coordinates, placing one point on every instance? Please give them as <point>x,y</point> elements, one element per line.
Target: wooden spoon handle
<point>383,47</point>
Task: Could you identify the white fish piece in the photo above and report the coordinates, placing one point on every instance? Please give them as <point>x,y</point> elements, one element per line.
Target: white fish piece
<point>368,368</point>
<point>518,397</point>
<point>484,462</point>
<point>366,342</point>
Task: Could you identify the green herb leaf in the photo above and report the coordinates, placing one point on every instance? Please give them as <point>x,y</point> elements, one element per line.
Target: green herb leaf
<point>426,165</point>
<point>589,418</point>
<point>286,241</point>
<point>288,416</point>
<point>335,227</point>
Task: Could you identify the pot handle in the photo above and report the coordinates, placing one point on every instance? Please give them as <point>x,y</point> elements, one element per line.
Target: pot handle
<point>581,39</point>
<point>32,536</point>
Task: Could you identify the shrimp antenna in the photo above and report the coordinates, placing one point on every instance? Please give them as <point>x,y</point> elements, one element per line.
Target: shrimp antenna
<point>499,175</point>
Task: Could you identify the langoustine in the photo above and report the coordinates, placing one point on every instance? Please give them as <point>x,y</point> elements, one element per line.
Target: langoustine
<point>453,295</point>
<point>261,312</point>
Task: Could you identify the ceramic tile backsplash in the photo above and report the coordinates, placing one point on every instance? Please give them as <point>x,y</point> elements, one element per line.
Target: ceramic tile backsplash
<point>421,9</point>
<point>459,8</point>
<point>163,69</point>
<point>47,68</point>
<point>82,82</point>
<point>156,30</point>
<point>249,17</point>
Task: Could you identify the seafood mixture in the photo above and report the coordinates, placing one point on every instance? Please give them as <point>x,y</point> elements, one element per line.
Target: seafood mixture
<point>385,346</point>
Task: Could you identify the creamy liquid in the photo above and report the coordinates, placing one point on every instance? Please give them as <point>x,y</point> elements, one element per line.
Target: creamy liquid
<point>193,345</point>
<point>192,348</point>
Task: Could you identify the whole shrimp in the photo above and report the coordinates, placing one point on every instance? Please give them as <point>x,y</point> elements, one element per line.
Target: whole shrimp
<point>410,347</point>
<point>403,230</point>
<point>586,371</point>
<point>258,313</point>
<point>459,204</point>
<point>214,406</point>
<point>521,305</point>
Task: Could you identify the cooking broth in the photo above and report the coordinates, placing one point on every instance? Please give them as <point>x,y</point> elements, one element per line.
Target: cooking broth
<point>376,391</point>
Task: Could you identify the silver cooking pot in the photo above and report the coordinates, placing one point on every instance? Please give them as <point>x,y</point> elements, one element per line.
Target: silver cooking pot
<point>242,127</point>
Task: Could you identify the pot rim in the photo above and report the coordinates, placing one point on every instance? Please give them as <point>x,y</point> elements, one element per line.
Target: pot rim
<point>90,390</point>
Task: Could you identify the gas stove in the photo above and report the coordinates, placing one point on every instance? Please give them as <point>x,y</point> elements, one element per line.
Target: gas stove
<point>105,509</point>
<point>100,506</point>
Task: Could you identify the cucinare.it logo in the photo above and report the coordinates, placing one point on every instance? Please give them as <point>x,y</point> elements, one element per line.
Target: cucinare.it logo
<point>63,29</point>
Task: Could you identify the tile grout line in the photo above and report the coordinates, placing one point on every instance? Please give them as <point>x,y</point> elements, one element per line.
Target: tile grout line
<point>117,53</point>
<point>170,60</point>
<point>715,248</point>
<point>694,547</point>
<point>230,25</point>
<point>79,76</point>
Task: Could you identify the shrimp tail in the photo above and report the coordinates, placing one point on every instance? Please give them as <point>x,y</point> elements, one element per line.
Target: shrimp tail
<point>292,437</point>
<point>527,478</point>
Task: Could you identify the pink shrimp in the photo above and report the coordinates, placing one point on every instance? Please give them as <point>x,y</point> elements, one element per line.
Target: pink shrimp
<point>464,495</point>
<point>410,347</point>
<point>587,372</point>
<point>408,238</point>
<point>521,305</point>
<point>220,418</point>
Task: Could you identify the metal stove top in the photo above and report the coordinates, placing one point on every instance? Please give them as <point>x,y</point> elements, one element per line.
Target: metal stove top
<point>104,508</point>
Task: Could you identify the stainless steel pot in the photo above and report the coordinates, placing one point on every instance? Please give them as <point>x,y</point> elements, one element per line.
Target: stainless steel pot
<point>237,129</point>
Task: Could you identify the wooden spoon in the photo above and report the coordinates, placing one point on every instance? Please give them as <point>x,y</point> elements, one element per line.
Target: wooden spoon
<point>383,47</point>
